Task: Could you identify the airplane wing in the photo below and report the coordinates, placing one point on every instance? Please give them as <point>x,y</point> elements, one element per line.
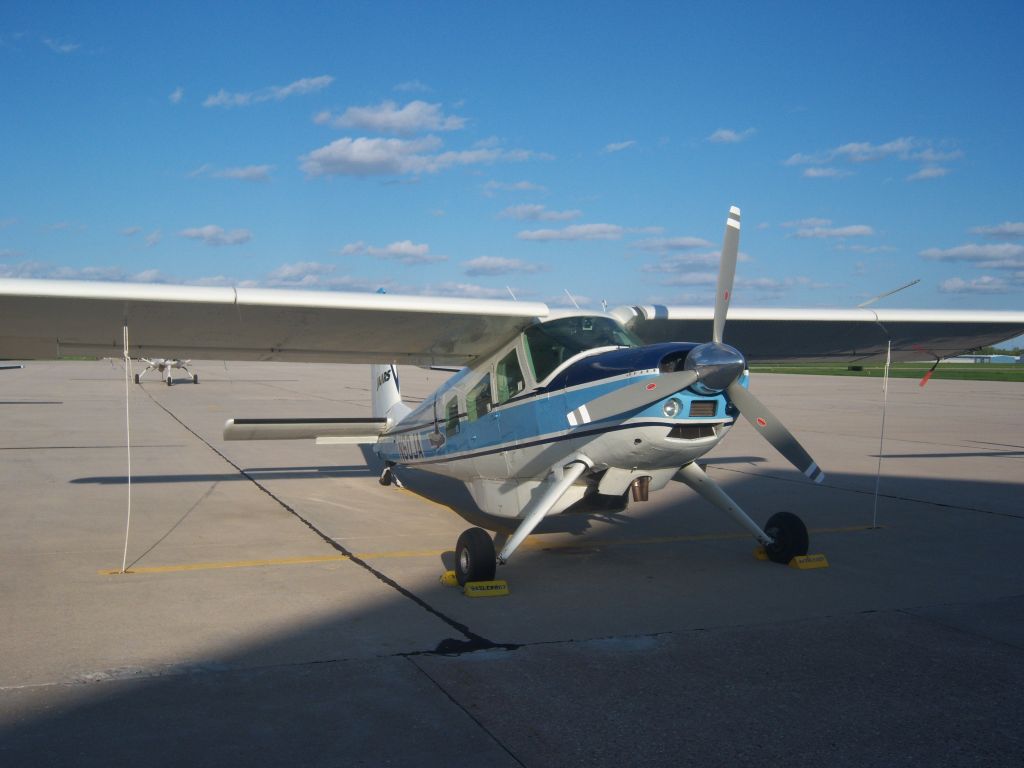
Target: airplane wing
<point>810,335</point>
<point>51,318</point>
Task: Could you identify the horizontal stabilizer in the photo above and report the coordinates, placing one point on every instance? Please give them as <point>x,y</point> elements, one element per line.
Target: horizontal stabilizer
<point>350,431</point>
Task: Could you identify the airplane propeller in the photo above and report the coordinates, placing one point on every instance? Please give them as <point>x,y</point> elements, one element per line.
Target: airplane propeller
<point>709,369</point>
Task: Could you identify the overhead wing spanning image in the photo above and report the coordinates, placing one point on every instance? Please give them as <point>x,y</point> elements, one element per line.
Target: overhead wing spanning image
<point>50,318</point>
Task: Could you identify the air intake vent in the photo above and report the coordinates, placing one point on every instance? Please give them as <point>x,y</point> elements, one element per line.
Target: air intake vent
<point>704,408</point>
<point>692,431</point>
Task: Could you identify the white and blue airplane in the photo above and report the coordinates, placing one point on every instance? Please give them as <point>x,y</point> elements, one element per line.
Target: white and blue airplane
<point>549,410</point>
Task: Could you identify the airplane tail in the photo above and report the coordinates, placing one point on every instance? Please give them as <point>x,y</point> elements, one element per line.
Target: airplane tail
<point>386,394</point>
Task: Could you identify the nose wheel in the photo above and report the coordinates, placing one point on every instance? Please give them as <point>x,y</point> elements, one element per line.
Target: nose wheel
<point>790,537</point>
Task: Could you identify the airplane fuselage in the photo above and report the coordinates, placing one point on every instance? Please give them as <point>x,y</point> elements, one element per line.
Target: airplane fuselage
<point>497,422</point>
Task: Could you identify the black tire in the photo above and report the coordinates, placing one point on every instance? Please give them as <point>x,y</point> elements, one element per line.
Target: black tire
<point>474,556</point>
<point>195,378</point>
<point>136,378</point>
<point>790,536</point>
<point>168,381</point>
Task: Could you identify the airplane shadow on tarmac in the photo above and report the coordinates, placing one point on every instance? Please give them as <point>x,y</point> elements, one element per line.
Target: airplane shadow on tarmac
<point>681,653</point>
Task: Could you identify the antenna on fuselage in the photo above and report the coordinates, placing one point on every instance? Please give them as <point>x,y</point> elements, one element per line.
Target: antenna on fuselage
<point>509,289</point>
<point>571,298</point>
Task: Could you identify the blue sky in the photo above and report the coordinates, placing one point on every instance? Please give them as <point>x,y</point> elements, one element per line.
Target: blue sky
<point>471,148</point>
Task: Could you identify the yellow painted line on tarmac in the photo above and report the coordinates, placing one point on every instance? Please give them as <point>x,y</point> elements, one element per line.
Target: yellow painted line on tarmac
<point>533,543</point>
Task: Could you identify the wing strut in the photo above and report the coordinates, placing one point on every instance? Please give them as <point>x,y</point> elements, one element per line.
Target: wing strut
<point>565,475</point>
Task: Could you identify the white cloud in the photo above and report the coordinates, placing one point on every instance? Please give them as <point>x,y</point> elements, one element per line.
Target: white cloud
<point>153,238</point>
<point>664,244</point>
<point>176,95</point>
<point>931,156</point>
<point>1010,229</point>
<point>40,270</point>
<point>778,285</point>
<point>535,212</point>
<point>859,248</point>
<point>242,173</point>
<point>245,173</point>
<point>404,251</point>
<point>906,148</point>
<point>395,157</point>
<point>929,172</point>
<point>975,252</point>
<point>129,231</point>
<point>575,232</point>
<point>692,278</point>
<point>853,230</point>
<point>60,47</point>
<point>467,290</point>
<point>388,117</point>
<point>413,86</point>
<point>5,223</point>
<point>7,253</point>
<point>312,274</point>
<point>824,172</point>
<point>984,285</point>
<point>618,146</point>
<point>491,187</point>
<point>274,93</point>
<point>809,222</point>
<point>214,235</point>
<point>864,151</point>
<point>496,265</point>
<point>729,136</point>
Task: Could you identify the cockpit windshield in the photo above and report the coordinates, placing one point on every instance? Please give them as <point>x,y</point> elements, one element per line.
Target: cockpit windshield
<point>550,344</point>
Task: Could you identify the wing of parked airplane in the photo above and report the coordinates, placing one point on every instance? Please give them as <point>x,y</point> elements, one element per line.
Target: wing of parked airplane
<point>806,335</point>
<point>51,318</point>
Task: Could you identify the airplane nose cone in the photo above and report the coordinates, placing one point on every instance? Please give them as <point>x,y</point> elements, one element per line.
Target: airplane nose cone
<point>718,365</point>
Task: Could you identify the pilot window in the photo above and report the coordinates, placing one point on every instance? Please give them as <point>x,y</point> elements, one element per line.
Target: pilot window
<point>550,344</point>
<point>509,377</point>
<point>478,402</point>
<point>451,417</point>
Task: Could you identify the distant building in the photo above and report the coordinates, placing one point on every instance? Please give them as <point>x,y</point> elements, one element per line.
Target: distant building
<point>984,359</point>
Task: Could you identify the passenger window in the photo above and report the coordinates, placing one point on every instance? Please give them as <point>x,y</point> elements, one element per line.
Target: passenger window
<point>451,417</point>
<point>509,377</point>
<point>478,403</point>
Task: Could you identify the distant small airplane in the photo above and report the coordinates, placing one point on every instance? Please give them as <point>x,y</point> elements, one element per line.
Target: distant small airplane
<point>164,367</point>
<point>6,367</point>
<point>550,410</point>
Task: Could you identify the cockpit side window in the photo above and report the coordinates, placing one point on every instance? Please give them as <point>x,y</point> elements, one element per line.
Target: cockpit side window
<point>451,416</point>
<point>509,377</point>
<point>478,402</point>
<point>550,344</point>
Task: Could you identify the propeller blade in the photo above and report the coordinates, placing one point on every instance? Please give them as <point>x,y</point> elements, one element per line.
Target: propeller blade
<point>774,431</point>
<point>726,271</point>
<point>632,397</point>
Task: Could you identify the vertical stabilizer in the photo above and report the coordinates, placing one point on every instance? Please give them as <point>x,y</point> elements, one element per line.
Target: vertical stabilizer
<point>387,397</point>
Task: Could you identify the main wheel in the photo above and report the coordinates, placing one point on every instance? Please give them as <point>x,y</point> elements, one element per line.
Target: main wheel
<point>168,381</point>
<point>790,536</point>
<point>136,378</point>
<point>195,378</point>
<point>474,556</point>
